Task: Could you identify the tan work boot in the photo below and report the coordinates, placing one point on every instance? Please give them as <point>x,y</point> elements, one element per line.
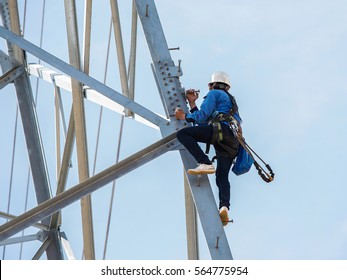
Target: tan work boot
<point>223,214</point>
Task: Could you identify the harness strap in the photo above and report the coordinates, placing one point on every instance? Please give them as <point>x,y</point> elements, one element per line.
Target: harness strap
<point>207,150</point>
<point>217,136</point>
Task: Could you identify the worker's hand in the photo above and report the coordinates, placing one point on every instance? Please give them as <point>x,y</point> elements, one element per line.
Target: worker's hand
<point>192,95</point>
<point>179,114</point>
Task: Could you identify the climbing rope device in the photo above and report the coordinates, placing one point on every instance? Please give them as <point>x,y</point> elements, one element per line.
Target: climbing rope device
<point>266,176</point>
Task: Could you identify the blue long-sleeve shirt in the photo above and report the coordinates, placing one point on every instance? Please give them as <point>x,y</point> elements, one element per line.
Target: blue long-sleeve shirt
<point>215,101</point>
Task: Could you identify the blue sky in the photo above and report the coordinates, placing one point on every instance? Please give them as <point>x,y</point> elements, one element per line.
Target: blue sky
<point>287,62</point>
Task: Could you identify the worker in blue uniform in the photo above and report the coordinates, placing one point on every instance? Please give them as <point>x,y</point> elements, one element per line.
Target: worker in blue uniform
<point>217,101</point>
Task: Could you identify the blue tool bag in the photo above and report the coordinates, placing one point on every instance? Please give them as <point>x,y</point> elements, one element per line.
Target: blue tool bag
<point>243,162</point>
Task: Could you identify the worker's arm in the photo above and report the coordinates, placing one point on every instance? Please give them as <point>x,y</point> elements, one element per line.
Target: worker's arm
<point>191,95</point>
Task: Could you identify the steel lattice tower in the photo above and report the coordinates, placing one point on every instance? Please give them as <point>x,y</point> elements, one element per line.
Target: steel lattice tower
<point>73,77</point>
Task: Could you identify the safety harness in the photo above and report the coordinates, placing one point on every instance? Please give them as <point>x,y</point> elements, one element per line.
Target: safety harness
<point>233,124</point>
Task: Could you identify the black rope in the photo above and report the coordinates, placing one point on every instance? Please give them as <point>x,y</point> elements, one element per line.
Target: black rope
<point>261,171</point>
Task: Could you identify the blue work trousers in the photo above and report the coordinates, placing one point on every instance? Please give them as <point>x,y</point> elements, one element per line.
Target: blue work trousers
<point>190,137</point>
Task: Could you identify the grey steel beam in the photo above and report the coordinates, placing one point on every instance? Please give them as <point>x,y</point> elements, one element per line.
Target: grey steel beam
<point>13,24</point>
<point>46,243</point>
<point>167,76</point>
<point>33,139</point>
<point>64,169</point>
<point>191,223</point>
<point>57,128</point>
<point>64,82</point>
<point>64,164</point>
<point>5,62</point>
<point>120,49</point>
<point>207,210</point>
<point>17,240</point>
<point>9,13</point>
<point>60,108</point>
<point>87,35</point>
<point>88,186</point>
<point>80,129</point>
<point>66,246</point>
<point>133,47</point>
<point>85,79</point>
<point>10,217</point>
<point>10,76</point>
<point>28,112</point>
<point>167,113</point>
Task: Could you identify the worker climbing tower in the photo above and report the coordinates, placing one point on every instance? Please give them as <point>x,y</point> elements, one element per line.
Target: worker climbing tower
<point>73,77</point>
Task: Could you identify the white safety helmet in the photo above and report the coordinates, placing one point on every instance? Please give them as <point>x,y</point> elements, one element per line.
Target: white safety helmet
<point>220,77</point>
